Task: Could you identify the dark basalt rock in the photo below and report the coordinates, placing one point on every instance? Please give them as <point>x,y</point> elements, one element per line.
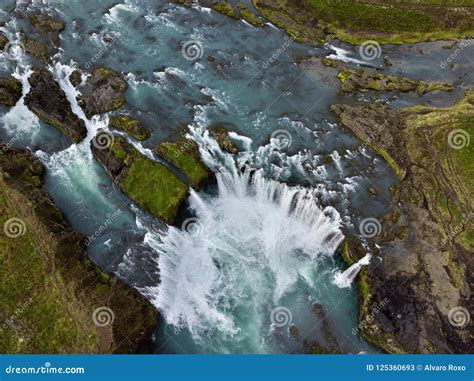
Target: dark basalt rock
<point>103,92</point>
<point>46,23</point>
<point>219,132</point>
<point>48,101</point>
<point>10,91</point>
<point>35,47</point>
<point>3,41</point>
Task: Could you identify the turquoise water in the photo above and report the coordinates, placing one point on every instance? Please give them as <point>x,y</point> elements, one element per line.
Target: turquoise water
<point>259,258</point>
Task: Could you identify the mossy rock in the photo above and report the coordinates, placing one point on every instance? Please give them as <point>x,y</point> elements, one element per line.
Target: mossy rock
<point>151,185</point>
<point>131,126</point>
<point>184,155</point>
<point>47,23</point>
<point>35,47</point>
<point>10,91</point>
<point>103,92</point>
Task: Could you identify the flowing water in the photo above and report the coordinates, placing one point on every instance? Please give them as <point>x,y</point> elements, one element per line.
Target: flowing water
<point>253,268</point>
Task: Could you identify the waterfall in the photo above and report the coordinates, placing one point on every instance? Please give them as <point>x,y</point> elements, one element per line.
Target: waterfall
<point>247,247</point>
<point>345,279</point>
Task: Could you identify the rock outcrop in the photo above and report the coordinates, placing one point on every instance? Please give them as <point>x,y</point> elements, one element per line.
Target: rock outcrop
<point>151,185</point>
<point>49,102</point>
<point>425,276</point>
<point>67,304</point>
<point>103,92</point>
<point>129,125</point>
<point>10,91</point>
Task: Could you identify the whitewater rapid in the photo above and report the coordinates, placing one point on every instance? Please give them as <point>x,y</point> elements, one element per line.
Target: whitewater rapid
<point>247,247</point>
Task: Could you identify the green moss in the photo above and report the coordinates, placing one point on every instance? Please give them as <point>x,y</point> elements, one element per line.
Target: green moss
<point>226,10</point>
<point>455,270</point>
<point>131,126</point>
<point>184,155</point>
<point>154,188</point>
<point>249,16</point>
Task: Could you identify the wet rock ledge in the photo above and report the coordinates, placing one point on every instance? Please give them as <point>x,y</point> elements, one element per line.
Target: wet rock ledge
<point>408,299</point>
<point>58,301</point>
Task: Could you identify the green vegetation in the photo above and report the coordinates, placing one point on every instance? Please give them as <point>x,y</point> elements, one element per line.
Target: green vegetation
<point>248,16</point>
<point>356,21</point>
<point>35,318</point>
<point>226,10</point>
<point>154,188</point>
<point>184,155</point>
<point>131,126</point>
